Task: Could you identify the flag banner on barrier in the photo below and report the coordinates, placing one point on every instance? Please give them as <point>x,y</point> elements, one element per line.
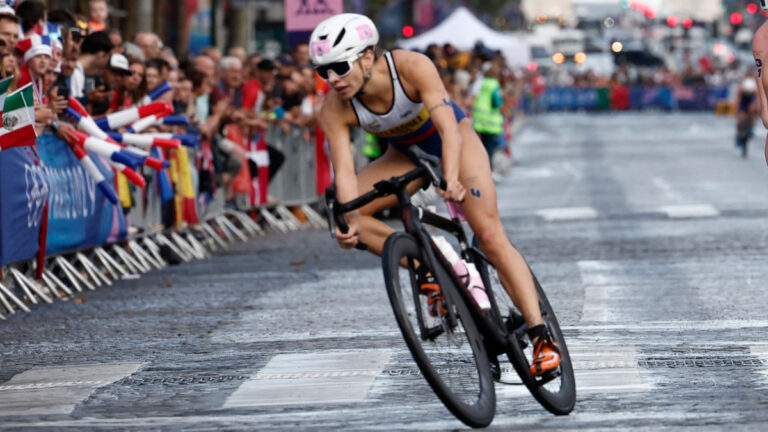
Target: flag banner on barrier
<point>635,97</point>
<point>18,120</point>
<point>23,193</point>
<point>79,214</point>
<point>4,85</point>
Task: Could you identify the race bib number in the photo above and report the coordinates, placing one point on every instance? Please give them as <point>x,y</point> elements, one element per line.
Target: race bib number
<point>759,64</point>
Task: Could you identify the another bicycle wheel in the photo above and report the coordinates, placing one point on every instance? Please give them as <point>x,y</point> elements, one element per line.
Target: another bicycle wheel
<point>451,357</point>
<point>555,391</point>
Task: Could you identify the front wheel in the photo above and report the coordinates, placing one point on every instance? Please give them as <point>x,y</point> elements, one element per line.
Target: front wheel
<point>451,357</point>
<point>555,391</point>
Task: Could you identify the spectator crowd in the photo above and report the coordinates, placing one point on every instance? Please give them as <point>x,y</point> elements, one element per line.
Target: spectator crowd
<point>233,98</point>
<point>230,99</point>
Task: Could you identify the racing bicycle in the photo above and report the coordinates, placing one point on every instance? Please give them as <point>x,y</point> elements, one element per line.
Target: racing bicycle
<point>457,344</point>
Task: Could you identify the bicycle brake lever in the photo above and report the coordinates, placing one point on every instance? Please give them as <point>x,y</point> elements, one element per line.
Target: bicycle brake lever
<point>437,177</point>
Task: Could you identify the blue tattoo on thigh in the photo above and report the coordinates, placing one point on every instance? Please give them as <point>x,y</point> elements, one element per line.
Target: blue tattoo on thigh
<point>475,192</point>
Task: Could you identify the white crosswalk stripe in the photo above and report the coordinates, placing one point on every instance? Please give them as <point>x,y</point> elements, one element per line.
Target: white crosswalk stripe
<point>567,213</point>
<point>58,389</point>
<point>690,211</point>
<point>307,378</point>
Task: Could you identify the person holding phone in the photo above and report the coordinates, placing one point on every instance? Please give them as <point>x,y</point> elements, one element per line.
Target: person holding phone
<point>86,84</point>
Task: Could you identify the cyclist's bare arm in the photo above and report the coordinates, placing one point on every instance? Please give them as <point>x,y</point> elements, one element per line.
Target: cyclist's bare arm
<point>420,78</point>
<point>335,118</point>
<point>760,52</point>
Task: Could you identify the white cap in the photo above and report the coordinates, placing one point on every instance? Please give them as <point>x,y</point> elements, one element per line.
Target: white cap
<point>36,50</point>
<point>7,10</point>
<point>119,62</point>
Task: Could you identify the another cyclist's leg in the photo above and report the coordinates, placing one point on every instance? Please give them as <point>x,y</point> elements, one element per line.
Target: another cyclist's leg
<point>481,209</point>
<point>391,163</point>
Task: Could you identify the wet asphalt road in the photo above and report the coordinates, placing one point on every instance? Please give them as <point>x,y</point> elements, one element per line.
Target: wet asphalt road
<point>647,231</point>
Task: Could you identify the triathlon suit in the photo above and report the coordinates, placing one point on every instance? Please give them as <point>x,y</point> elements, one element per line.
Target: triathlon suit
<point>746,100</point>
<point>406,123</point>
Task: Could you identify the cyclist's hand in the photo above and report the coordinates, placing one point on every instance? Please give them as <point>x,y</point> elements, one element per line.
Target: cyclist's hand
<point>454,192</point>
<point>350,239</point>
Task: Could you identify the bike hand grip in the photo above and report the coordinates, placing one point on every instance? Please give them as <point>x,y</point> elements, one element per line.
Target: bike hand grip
<point>333,215</point>
<point>341,223</point>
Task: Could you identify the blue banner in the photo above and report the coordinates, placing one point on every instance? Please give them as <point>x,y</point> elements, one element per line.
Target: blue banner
<point>23,192</point>
<point>650,97</point>
<point>640,98</point>
<point>567,98</point>
<point>79,215</point>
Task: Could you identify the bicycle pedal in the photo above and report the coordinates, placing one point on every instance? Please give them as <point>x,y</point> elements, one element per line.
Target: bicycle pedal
<point>495,370</point>
<point>549,376</point>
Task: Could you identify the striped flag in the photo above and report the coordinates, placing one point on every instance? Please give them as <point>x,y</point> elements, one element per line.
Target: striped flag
<point>185,196</point>
<point>18,121</point>
<point>4,85</point>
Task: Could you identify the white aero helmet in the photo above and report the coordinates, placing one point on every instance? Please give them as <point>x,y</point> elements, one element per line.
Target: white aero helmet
<point>340,37</point>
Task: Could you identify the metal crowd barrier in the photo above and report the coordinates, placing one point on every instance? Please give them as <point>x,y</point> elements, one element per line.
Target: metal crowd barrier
<point>67,274</point>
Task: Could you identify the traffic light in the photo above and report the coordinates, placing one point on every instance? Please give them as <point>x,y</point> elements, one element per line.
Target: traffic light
<point>736,19</point>
<point>408,31</point>
<point>672,21</point>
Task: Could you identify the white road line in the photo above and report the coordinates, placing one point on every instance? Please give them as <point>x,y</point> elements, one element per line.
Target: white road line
<point>58,389</point>
<point>567,213</point>
<point>311,378</point>
<point>531,173</point>
<point>666,189</point>
<point>596,279</point>
<point>690,211</point>
<point>598,369</point>
<point>586,418</point>
<point>761,352</point>
<point>675,326</point>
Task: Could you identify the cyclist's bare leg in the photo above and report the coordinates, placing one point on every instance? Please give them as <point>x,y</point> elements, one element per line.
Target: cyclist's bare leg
<point>481,209</point>
<point>392,163</point>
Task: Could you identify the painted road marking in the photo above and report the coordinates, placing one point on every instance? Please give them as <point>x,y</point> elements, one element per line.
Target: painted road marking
<point>567,213</point>
<point>690,211</point>
<point>598,369</point>
<point>584,418</point>
<point>667,189</point>
<point>761,352</point>
<point>531,173</point>
<point>311,378</point>
<point>600,286</point>
<point>58,389</point>
<point>674,326</point>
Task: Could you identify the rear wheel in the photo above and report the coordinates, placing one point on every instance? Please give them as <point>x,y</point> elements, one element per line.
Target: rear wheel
<point>555,391</point>
<point>452,357</point>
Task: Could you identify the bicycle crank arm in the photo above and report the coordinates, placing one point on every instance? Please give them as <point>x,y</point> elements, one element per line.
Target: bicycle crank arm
<point>432,333</point>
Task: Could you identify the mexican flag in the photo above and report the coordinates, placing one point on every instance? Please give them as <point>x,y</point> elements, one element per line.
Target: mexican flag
<point>17,128</point>
<point>4,85</point>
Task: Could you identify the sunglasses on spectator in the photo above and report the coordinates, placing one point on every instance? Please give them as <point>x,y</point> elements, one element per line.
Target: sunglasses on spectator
<point>341,69</point>
<point>76,33</point>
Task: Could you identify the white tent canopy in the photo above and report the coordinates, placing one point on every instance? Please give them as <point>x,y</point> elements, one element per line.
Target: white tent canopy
<point>463,30</point>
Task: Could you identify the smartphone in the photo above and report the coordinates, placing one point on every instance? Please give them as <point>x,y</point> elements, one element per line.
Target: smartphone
<point>63,89</point>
